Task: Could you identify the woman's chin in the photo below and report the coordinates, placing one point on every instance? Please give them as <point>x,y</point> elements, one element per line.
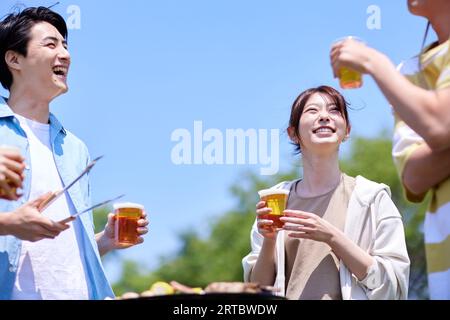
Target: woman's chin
<point>325,141</point>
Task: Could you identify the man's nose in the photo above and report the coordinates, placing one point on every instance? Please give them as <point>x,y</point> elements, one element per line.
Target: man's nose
<point>64,54</point>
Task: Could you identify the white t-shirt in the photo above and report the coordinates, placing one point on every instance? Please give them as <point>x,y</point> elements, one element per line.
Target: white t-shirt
<point>50,269</point>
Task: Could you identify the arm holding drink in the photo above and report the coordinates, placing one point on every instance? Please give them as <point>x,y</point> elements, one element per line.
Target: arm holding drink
<point>264,270</point>
<point>425,111</point>
<point>422,105</point>
<point>125,228</point>
<point>269,211</point>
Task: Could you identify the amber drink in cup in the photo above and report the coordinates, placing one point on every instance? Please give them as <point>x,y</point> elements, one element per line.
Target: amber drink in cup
<point>349,78</point>
<point>127,215</point>
<point>9,182</point>
<point>275,199</point>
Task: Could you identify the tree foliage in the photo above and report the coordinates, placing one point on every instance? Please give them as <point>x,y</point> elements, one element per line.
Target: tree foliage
<point>100,218</point>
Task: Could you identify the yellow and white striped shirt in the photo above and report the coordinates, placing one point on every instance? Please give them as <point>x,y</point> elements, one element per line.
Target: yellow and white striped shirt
<point>433,74</point>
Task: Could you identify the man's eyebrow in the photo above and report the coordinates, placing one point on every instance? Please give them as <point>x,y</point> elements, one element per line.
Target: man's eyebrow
<point>54,39</point>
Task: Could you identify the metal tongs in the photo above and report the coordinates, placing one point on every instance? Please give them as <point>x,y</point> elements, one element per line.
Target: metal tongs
<point>56,194</point>
<point>74,216</point>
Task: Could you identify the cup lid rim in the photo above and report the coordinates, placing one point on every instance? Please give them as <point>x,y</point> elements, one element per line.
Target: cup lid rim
<point>266,192</point>
<point>123,205</point>
<point>340,39</point>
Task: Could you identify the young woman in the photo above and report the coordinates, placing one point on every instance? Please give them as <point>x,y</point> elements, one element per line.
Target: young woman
<point>343,237</point>
<point>419,92</point>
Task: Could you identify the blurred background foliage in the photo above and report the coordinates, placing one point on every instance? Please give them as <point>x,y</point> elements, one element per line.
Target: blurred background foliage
<point>217,255</point>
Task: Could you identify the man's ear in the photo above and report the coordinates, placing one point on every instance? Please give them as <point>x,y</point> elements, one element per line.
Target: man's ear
<point>12,60</point>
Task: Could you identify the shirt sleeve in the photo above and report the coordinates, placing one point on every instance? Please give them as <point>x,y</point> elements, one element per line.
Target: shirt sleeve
<point>388,277</point>
<point>404,143</point>
<point>405,140</point>
<point>443,80</point>
<point>249,261</point>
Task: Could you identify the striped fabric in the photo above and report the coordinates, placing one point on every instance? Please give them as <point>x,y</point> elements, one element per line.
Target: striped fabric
<point>434,75</point>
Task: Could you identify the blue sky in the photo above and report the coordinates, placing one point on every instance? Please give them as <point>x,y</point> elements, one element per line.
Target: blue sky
<point>143,69</point>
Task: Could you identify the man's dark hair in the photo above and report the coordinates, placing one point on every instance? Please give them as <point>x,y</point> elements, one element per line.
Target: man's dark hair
<point>15,35</point>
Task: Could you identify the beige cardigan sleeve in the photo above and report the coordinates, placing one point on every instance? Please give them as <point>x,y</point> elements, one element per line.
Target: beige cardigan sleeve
<point>249,261</point>
<point>388,277</point>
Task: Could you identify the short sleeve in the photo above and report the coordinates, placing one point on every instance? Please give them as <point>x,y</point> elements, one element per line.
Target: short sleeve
<point>443,80</point>
<point>404,143</point>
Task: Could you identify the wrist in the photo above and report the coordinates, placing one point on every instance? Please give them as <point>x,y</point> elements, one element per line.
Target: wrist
<point>104,243</point>
<point>270,241</point>
<point>4,217</point>
<point>377,61</point>
<point>269,244</point>
<point>333,239</point>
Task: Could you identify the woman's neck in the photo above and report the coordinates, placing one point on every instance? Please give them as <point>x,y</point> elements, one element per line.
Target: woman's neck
<point>321,174</point>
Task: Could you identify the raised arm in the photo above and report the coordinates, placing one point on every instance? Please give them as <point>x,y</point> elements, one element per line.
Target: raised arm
<point>426,112</point>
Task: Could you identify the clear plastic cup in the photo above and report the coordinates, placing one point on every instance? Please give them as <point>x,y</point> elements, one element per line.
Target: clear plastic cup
<point>349,78</point>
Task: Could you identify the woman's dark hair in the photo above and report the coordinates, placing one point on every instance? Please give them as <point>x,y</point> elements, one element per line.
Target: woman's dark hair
<point>15,34</point>
<point>299,104</point>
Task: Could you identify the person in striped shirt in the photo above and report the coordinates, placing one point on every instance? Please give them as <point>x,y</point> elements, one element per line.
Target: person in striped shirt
<point>419,92</point>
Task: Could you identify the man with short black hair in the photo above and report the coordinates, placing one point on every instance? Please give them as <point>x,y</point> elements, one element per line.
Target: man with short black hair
<point>34,64</point>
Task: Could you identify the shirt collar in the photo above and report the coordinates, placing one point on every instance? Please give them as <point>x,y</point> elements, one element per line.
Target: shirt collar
<point>5,112</point>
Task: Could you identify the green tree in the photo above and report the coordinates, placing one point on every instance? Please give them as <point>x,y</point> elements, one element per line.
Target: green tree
<point>217,257</point>
<point>100,218</point>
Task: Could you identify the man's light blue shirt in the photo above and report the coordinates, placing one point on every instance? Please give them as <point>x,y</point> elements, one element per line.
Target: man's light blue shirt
<point>71,157</point>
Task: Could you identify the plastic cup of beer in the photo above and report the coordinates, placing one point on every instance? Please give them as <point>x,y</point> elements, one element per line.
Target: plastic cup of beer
<point>276,200</point>
<point>349,78</point>
<point>127,215</point>
<point>9,182</point>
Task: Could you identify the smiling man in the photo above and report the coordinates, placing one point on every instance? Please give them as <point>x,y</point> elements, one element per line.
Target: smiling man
<point>37,259</point>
